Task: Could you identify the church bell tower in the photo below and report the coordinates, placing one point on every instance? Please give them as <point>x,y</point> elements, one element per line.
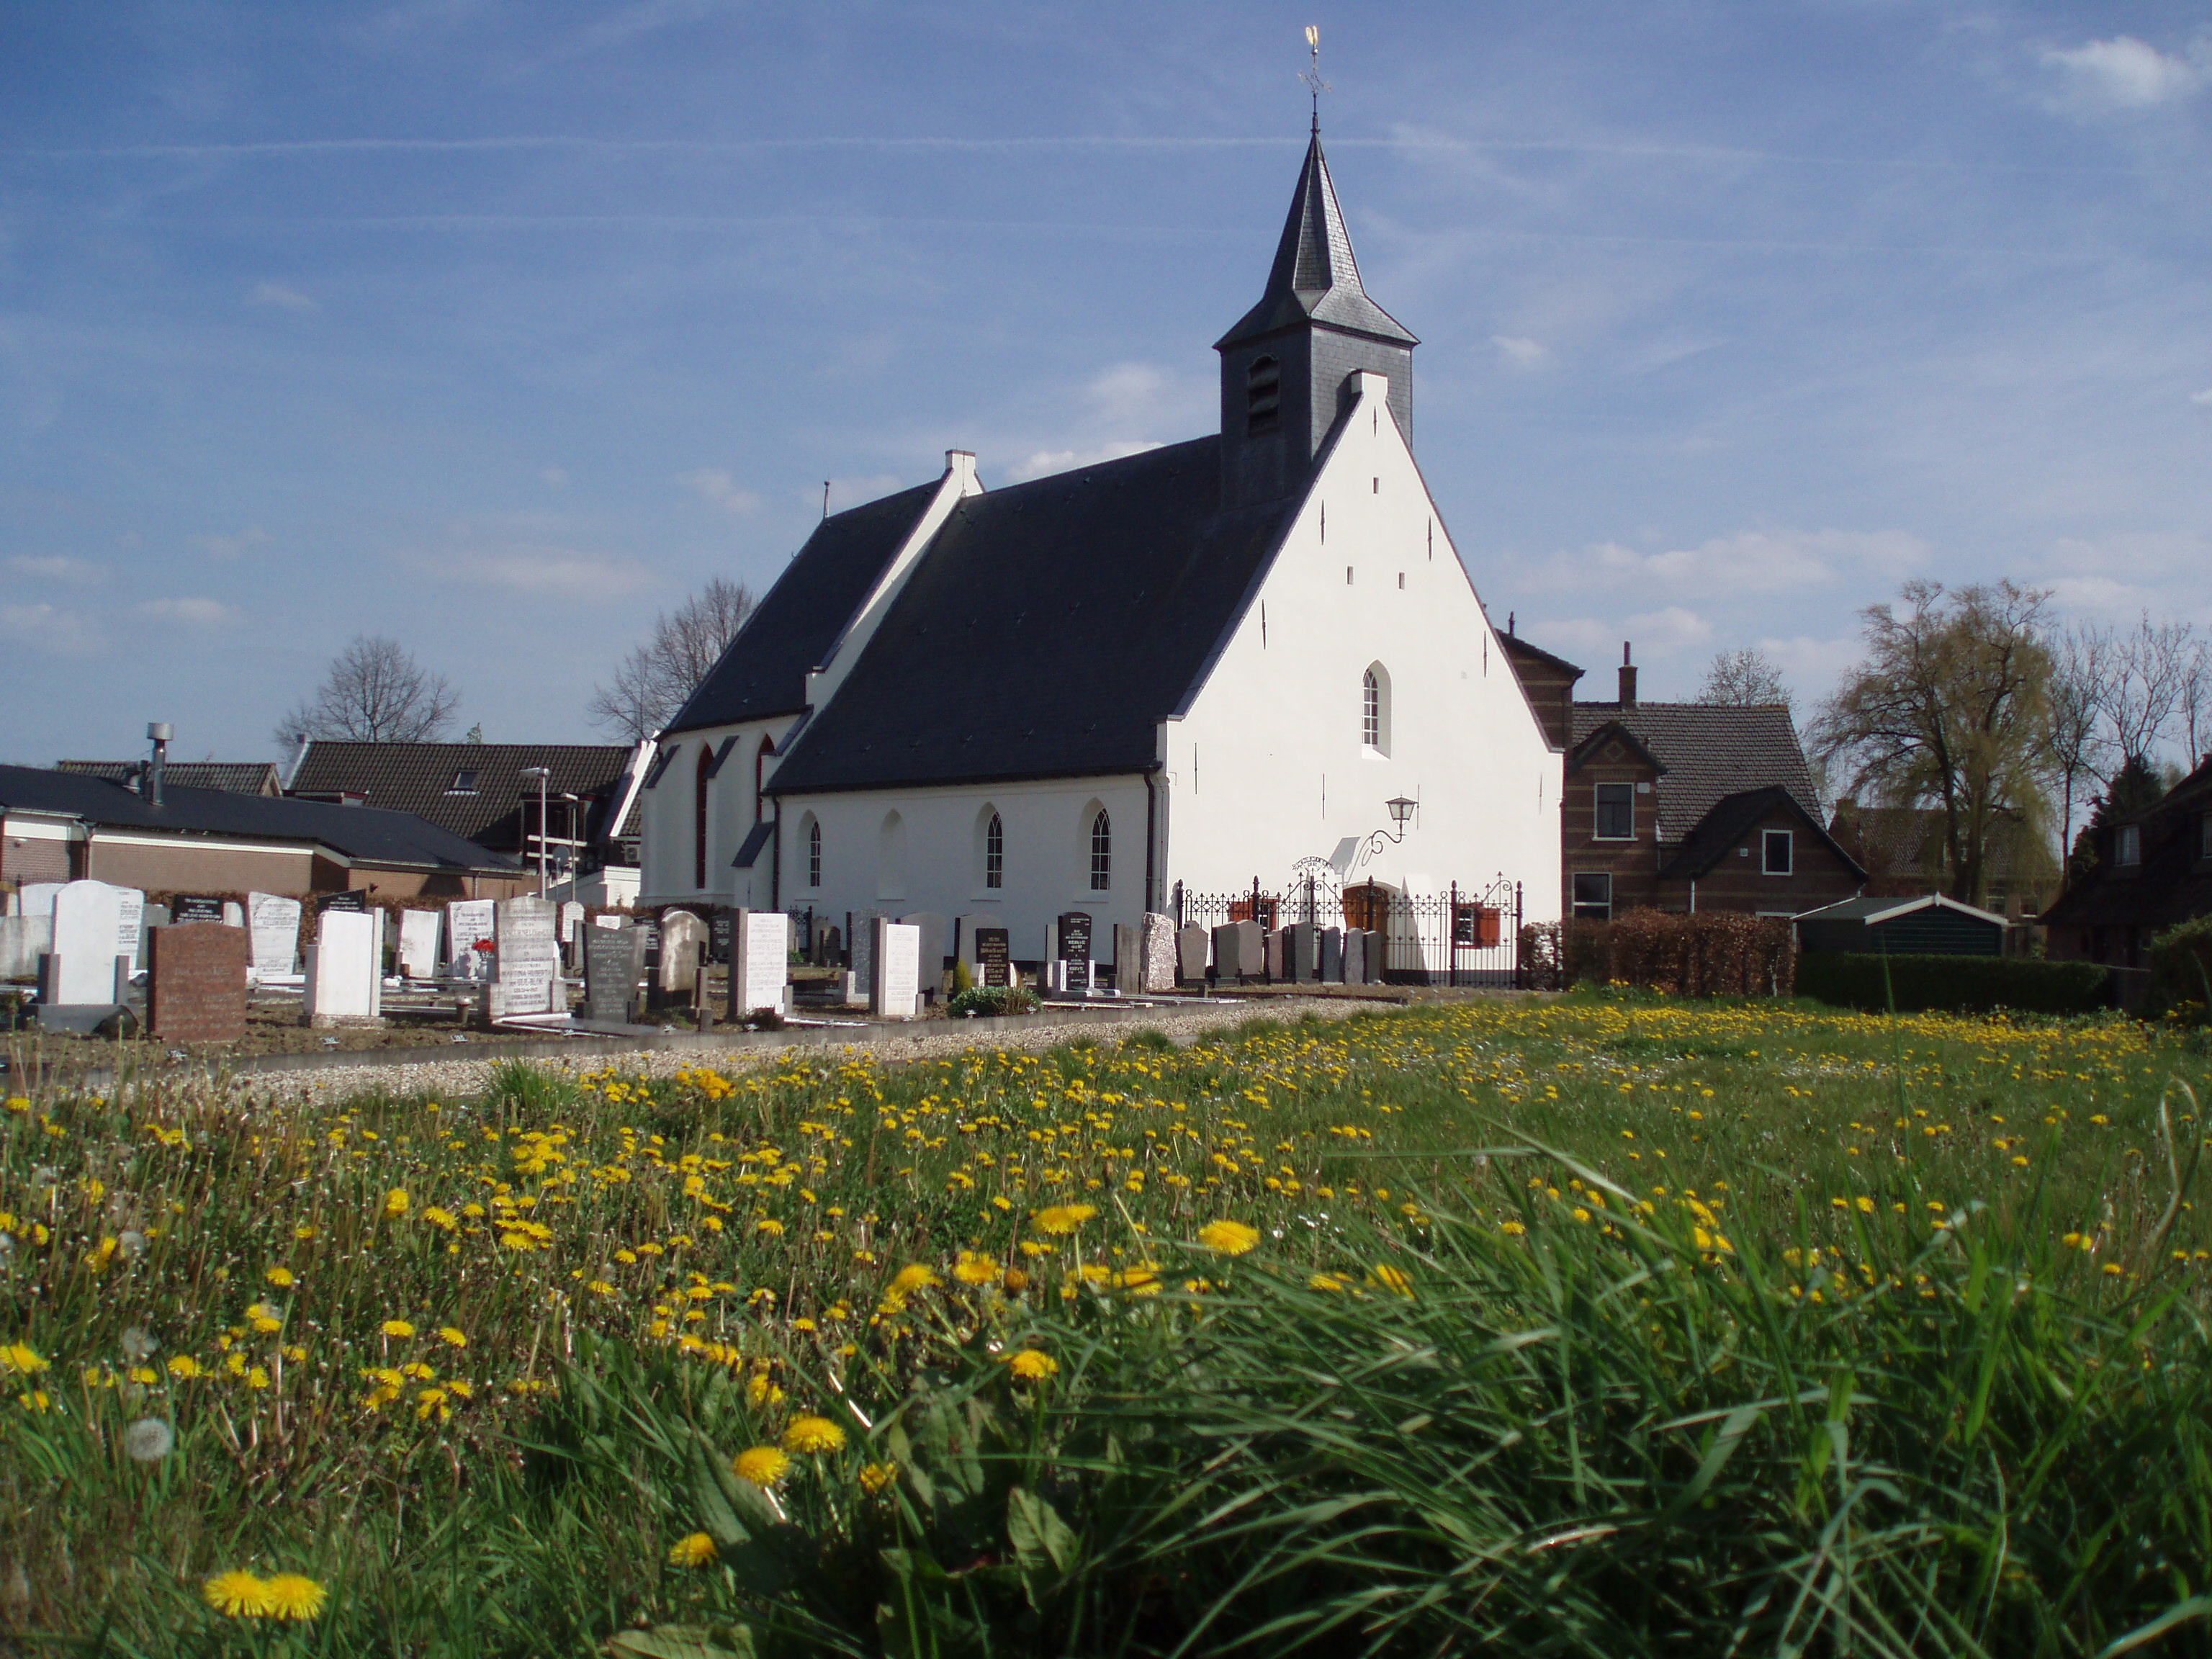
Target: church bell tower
<point>1285,365</point>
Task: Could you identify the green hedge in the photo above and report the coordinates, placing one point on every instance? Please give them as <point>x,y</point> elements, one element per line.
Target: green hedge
<point>1954,984</point>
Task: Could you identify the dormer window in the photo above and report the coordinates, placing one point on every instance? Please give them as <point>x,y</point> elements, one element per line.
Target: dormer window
<point>2127,845</point>
<point>1616,812</point>
<point>1263,396</point>
<point>463,783</point>
<point>2204,837</point>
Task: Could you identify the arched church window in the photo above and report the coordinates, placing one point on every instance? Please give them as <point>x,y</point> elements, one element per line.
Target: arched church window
<point>1263,390</point>
<point>995,853</point>
<point>814,854</point>
<point>1101,852</point>
<point>702,774</point>
<point>766,753</point>
<point>1375,709</point>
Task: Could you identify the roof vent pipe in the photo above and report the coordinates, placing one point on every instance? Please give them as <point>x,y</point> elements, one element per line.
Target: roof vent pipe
<point>159,733</point>
<point>1627,678</point>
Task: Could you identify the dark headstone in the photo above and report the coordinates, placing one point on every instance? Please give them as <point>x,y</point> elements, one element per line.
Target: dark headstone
<point>994,963</point>
<point>1191,943</point>
<point>1279,945</point>
<point>1072,936</point>
<point>1304,949</point>
<point>1128,959</point>
<point>1332,956</point>
<point>196,907</point>
<point>196,990</point>
<point>613,963</point>
<point>718,949</point>
<point>1355,956</point>
<point>351,899</point>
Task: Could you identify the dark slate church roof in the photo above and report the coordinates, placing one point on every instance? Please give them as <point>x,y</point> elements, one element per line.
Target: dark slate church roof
<point>1314,277</point>
<point>764,672</point>
<point>1047,631</point>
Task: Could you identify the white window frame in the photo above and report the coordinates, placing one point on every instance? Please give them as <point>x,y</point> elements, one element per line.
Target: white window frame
<point>814,852</point>
<point>1767,841</point>
<point>1597,811</point>
<point>995,853</point>
<point>1576,905</point>
<point>1102,852</point>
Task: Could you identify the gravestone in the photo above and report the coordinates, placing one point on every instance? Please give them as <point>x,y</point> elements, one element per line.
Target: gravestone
<point>760,975</point>
<point>894,993</point>
<point>1156,951</point>
<point>84,966</point>
<point>36,898</point>
<point>420,934</point>
<point>682,934</point>
<point>829,945</point>
<point>195,907</point>
<point>1070,945</point>
<point>610,920</point>
<point>860,982</point>
<point>1128,960</point>
<point>936,936</point>
<point>130,926</point>
<point>196,982</point>
<point>1332,956</point>
<point>23,940</point>
<point>1228,952</point>
<point>351,899</point>
<point>1191,944</point>
<point>1278,940</point>
<point>528,959</point>
<point>1303,952</point>
<point>1377,958</point>
<point>965,929</point>
<point>717,936</point>
<point>572,918</point>
<point>233,914</point>
<point>272,921</point>
<point>995,955</point>
<point>1355,956</point>
<point>614,960</point>
<point>469,923</point>
<point>345,979</point>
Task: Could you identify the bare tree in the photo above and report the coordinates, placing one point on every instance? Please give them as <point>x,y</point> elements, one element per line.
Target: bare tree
<point>2143,686</point>
<point>373,692</point>
<point>1950,709</point>
<point>1748,678</point>
<point>657,678</point>
<point>2196,704</point>
<point>2080,659</point>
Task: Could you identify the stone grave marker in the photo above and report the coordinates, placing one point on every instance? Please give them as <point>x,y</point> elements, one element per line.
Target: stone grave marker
<point>1301,952</point>
<point>614,961</point>
<point>1155,951</point>
<point>1070,947</point>
<point>964,928</point>
<point>1128,960</point>
<point>896,991</point>
<point>351,899</point>
<point>760,975</point>
<point>1278,942</point>
<point>345,979</point>
<point>528,958</point>
<point>84,967</point>
<point>421,932</point>
<point>572,918</point>
<point>936,935</point>
<point>23,940</point>
<point>1377,960</point>
<point>470,922</point>
<point>1332,955</point>
<point>1355,956</point>
<point>859,983</point>
<point>36,898</point>
<point>719,937</point>
<point>196,982</point>
<point>195,907</point>
<point>829,945</point>
<point>233,914</point>
<point>995,955</point>
<point>131,927</point>
<point>1191,946</point>
<point>1228,942</point>
<point>610,920</point>
<point>682,933</point>
<point>272,921</point>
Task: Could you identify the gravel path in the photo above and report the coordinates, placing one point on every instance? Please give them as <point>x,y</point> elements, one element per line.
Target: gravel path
<point>1180,1024</point>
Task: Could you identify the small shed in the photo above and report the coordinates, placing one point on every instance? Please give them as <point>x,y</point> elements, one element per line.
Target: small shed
<point>1930,926</point>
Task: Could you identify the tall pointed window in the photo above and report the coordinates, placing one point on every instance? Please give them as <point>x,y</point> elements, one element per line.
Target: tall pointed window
<point>702,776</point>
<point>1371,710</point>
<point>1263,396</point>
<point>814,854</point>
<point>1102,852</point>
<point>995,853</point>
<point>759,771</point>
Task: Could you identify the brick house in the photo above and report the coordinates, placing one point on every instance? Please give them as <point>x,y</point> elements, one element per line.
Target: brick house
<point>1682,805</point>
<point>2153,870</point>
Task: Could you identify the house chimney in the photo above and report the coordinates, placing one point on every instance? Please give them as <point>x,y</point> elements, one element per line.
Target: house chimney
<point>1627,678</point>
<point>160,733</point>
<point>1511,616</point>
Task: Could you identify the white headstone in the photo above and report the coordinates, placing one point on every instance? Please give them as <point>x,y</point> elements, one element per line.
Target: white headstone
<point>344,981</point>
<point>935,930</point>
<point>898,957</point>
<point>572,917</point>
<point>468,921</point>
<point>233,914</point>
<point>129,923</point>
<point>760,969</point>
<point>37,898</point>
<point>682,933</point>
<point>88,922</point>
<point>529,956</point>
<point>609,919</point>
<point>274,922</point>
<point>420,934</point>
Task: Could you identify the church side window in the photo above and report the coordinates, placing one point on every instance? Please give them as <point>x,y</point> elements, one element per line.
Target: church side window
<point>814,854</point>
<point>1101,852</point>
<point>995,853</point>
<point>1263,396</point>
<point>702,777</point>
<point>1371,710</point>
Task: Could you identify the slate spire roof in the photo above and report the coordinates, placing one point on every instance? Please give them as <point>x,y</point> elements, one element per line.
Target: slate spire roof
<point>1315,279</point>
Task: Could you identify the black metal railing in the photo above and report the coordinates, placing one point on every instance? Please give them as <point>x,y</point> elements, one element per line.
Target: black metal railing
<point>1458,935</point>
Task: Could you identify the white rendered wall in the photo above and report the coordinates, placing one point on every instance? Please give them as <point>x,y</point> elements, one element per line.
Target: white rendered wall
<point>1269,766</point>
<point>665,821</point>
<point>1048,855</point>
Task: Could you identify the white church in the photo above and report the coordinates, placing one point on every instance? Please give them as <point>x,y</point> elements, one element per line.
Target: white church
<point>1231,662</point>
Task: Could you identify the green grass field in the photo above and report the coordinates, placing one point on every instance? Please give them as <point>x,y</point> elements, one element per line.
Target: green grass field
<point>1598,1326</point>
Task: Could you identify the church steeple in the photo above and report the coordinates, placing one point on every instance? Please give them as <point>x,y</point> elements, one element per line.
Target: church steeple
<point>1283,362</point>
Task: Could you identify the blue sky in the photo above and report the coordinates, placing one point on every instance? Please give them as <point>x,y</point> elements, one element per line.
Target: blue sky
<point>498,327</point>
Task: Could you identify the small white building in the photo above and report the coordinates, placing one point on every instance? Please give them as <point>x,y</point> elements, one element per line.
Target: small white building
<point>1206,666</point>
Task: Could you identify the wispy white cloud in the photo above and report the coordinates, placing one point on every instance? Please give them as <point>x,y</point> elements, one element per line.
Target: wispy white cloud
<point>276,294</point>
<point>190,612</point>
<point>57,567</point>
<point>49,629</point>
<point>2203,399</point>
<point>1520,352</point>
<point>231,547</point>
<point>714,484</point>
<point>1046,462</point>
<point>556,572</point>
<point>1665,632</point>
<point>555,478</point>
<point>1764,561</point>
<point>2123,73</point>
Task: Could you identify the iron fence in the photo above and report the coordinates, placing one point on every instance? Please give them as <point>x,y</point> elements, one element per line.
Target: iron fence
<point>1456,935</point>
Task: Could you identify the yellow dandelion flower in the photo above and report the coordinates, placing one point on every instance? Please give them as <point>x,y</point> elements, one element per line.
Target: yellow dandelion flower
<point>452,1336</point>
<point>1394,1279</point>
<point>1063,1218</point>
<point>813,1434</point>
<point>769,1226</point>
<point>697,1550</point>
<point>441,1217</point>
<point>395,1202</point>
<point>294,1595</point>
<point>1227,1237</point>
<point>975,1269</point>
<point>914,1276</point>
<point>1032,1364</point>
<point>764,1466</point>
<point>281,1278</point>
<point>875,1477</point>
<point>237,1594</point>
<point>184,1367</point>
<point>22,1359</point>
<point>399,1329</point>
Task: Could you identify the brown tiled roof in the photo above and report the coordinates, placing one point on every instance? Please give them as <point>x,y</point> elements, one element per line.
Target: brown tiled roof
<point>1710,751</point>
<point>1723,828</point>
<point>423,778</point>
<point>231,777</point>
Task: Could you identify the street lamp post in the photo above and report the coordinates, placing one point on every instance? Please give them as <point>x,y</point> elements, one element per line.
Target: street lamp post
<point>543,774</point>
<point>1401,809</point>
